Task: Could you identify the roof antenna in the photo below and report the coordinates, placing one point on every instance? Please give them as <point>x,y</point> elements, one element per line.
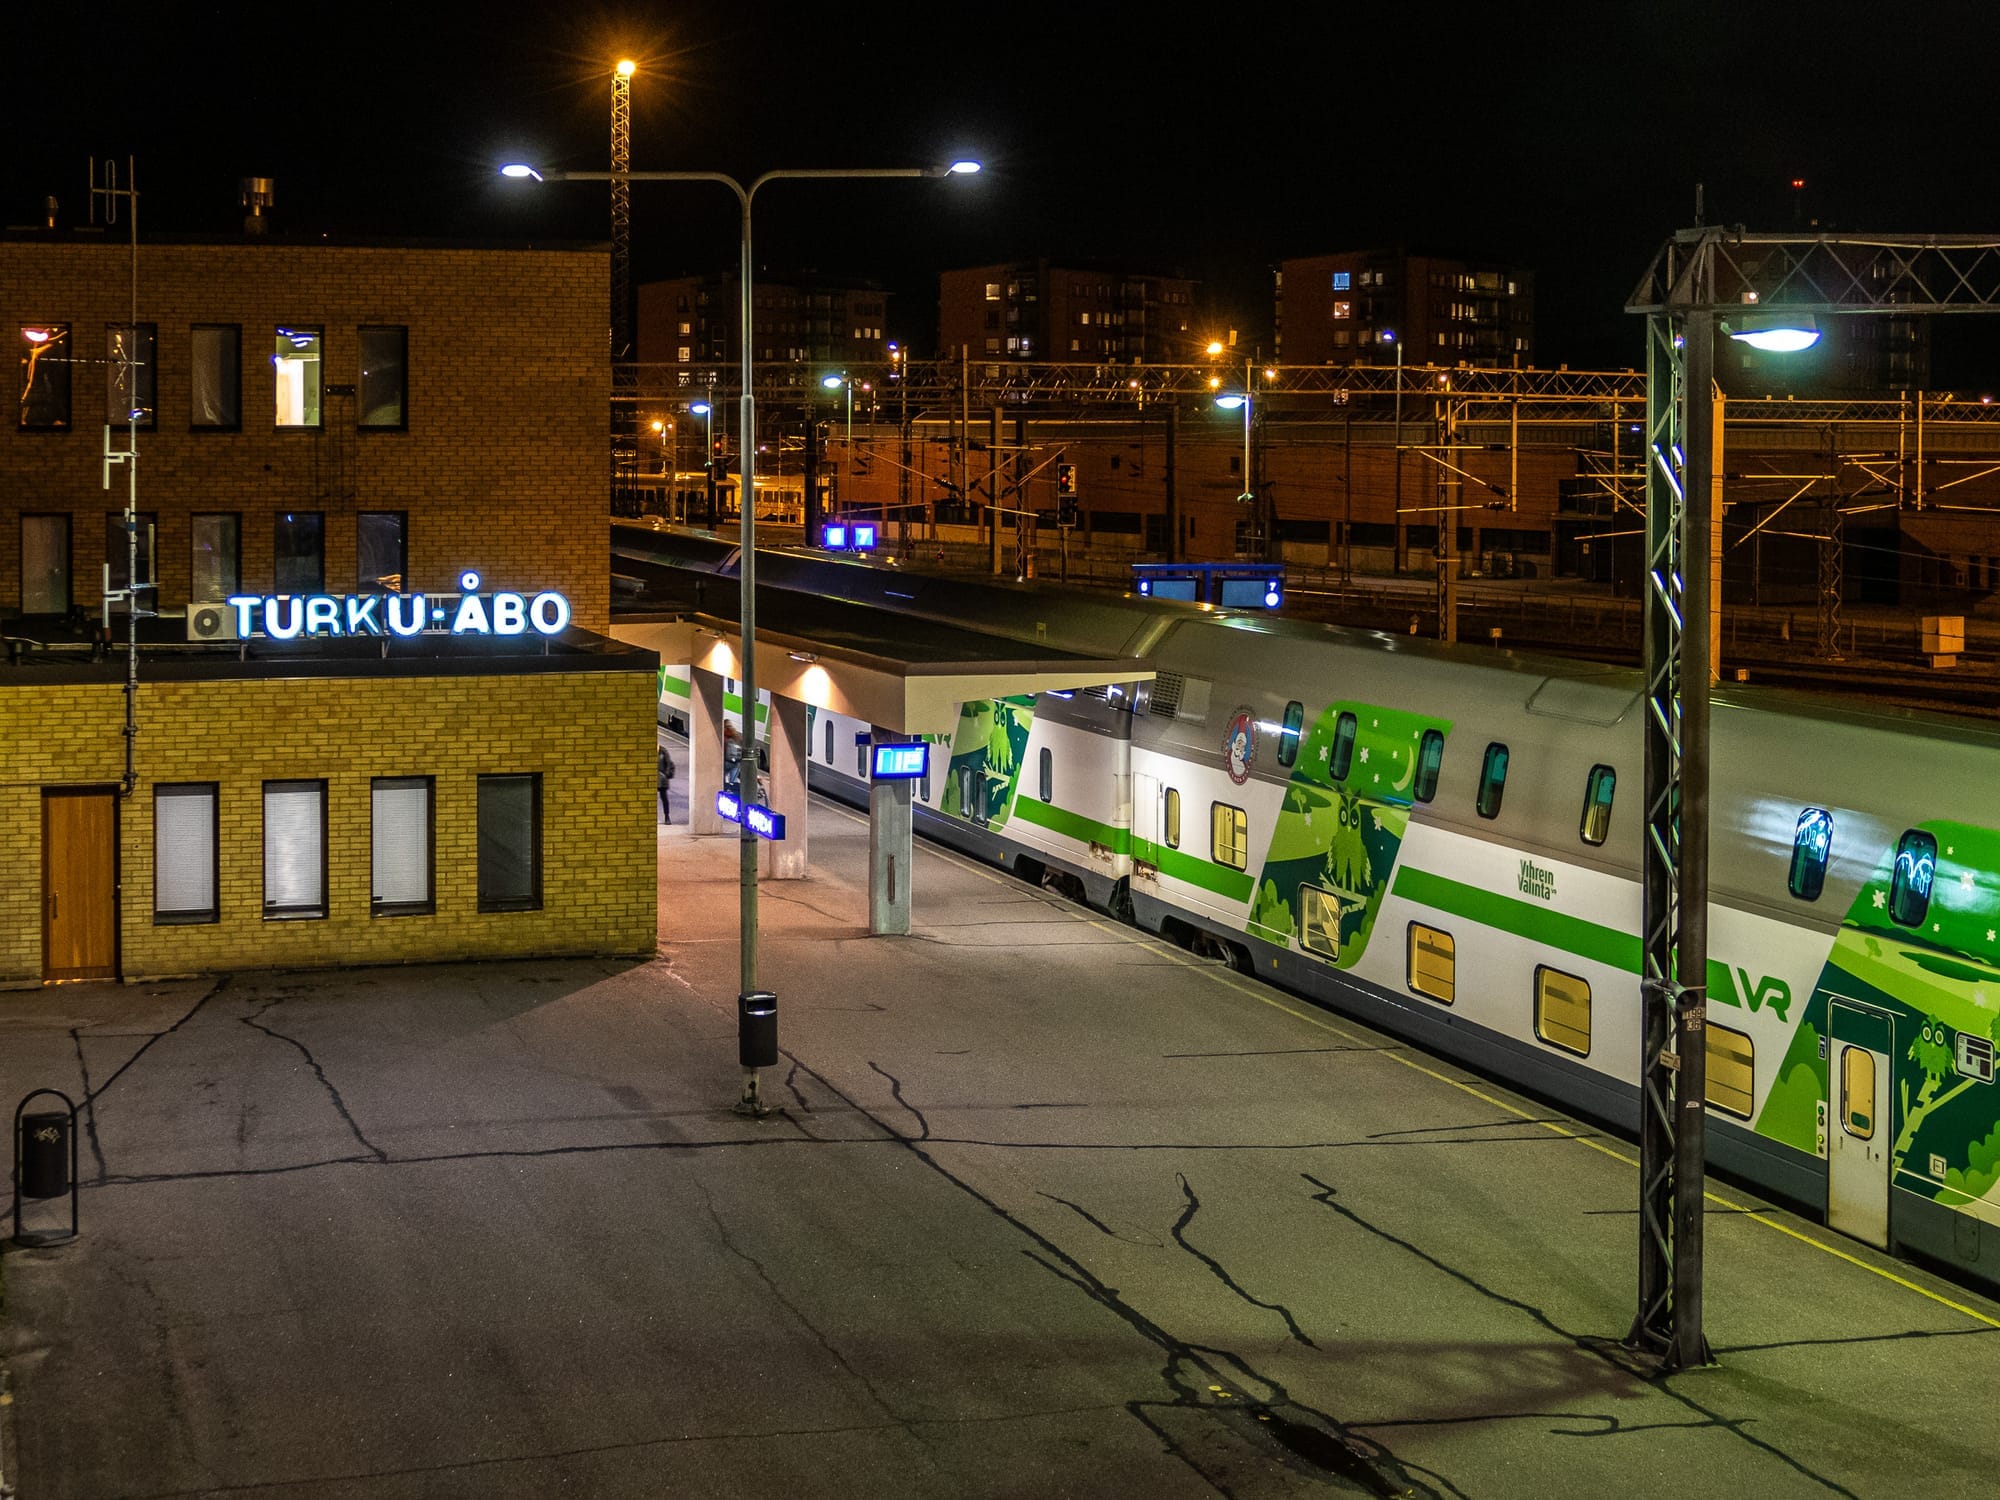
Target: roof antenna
<point>1697,206</point>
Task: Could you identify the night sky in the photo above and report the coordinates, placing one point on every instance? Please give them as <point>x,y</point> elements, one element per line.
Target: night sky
<point>1213,140</point>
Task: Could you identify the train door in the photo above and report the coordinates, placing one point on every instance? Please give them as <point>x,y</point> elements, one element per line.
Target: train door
<point>1860,1083</point>
<point>1145,825</point>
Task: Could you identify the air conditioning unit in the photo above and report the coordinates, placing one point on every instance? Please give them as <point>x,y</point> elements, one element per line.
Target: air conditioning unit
<point>211,622</point>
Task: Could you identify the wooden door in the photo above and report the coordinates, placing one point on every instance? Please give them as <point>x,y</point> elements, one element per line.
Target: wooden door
<point>80,884</point>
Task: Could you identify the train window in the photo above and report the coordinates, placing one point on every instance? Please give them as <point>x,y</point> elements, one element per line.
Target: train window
<point>1288,733</point>
<point>1492,780</point>
<point>1433,962</point>
<point>1857,1093</point>
<point>1910,886</point>
<point>829,742</point>
<point>1597,793</point>
<point>1343,747</point>
<point>1810,847</point>
<point>1173,818</point>
<point>1229,835</point>
<point>1731,1071</point>
<point>1048,765</point>
<point>1562,1010</point>
<point>1430,761</point>
<point>1319,920</point>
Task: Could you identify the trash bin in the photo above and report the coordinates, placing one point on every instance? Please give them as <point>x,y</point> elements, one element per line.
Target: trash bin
<point>45,1154</point>
<point>757,1029</point>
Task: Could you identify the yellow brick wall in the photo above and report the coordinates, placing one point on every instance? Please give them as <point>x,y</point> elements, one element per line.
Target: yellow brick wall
<point>505,466</point>
<point>590,735</point>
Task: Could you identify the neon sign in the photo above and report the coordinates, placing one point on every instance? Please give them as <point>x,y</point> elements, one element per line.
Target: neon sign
<point>290,617</point>
<point>754,816</point>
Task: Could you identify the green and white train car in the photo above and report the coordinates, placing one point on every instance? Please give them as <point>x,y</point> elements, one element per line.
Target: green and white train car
<point>1445,843</point>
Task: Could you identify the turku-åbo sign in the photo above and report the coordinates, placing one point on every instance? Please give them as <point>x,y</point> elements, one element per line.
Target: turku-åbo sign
<point>287,617</point>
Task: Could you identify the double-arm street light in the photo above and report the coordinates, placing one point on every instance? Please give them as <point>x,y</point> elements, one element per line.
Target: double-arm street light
<point>747,445</point>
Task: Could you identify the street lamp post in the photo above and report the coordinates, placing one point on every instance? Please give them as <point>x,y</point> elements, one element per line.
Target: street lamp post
<point>834,383</point>
<point>747,566</point>
<point>1251,497</point>
<point>1397,456</point>
<point>704,410</point>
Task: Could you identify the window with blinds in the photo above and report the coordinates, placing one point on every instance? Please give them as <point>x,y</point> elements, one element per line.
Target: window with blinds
<point>510,843</point>
<point>184,853</point>
<point>1562,1010</point>
<point>1732,1070</point>
<point>1433,963</point>
<point>401,842</point>
<point>294,849</point>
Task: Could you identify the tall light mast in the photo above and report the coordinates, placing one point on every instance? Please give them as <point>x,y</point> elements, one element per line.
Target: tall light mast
<point>621,209</point>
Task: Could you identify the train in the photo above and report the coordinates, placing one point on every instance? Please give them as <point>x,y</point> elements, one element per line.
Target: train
<point>1357,817</point>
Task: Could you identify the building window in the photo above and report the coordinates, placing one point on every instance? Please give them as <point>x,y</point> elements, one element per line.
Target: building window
<point>1433,963</point>
<point>297,376</point>
<point>510,843</point>
<point>45,565</point>
<point>385,378</point>
<point>184,852</point>
<point>217,562</point>
<point>380,549</point>
<point>1597,793</point>
<point>298,552</point>
<point>45,367</point>
<point>1229,835</point>
<point>684,354</point>
<point>1731,1076</point>
<point>1048,774</point>
<point>1562,1010</point>
<point>1430,761</point>
<point>1492,781</point>
<point>131,374</point>
<point>294,849</point>
<point>686,328</point>
<point>1288,733</point>
<point>215,376</point>
<point>401,837</point>
<point>1343,309</point>
<point>1173,817</point>
<point>1910,886</point>
<point>1340,281</point>
<point>118,549</point>
<point>1811,846</point>
<point>992,291</point>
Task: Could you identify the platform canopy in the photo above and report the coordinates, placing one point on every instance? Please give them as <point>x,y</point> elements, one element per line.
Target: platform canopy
<point>892,670</point>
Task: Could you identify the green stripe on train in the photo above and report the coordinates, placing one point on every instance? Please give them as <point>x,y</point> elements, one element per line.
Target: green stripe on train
<point>732,703</point>
<point>1231,885</point>
<point>1538,924</point>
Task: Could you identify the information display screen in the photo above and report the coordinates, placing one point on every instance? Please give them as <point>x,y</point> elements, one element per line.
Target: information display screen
<point>902,762</point>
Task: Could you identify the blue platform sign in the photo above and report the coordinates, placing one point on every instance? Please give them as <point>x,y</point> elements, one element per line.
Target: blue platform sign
<point>902,762</point>
<point>759,819</point>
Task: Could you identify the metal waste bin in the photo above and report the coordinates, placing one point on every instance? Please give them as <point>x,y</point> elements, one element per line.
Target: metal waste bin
<point>757,1029</point>
<point>44,1154</point>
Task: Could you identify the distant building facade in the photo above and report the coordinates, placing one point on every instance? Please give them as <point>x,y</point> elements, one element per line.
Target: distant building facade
<point>804,319</point>
<point>1054,311</point>
<point>1356,306</point>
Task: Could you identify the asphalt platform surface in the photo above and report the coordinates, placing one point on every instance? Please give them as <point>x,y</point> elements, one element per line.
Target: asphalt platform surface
<point>1046,1208</point>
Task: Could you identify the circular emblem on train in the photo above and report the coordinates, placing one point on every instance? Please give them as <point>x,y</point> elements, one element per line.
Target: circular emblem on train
<point>1239,745</point>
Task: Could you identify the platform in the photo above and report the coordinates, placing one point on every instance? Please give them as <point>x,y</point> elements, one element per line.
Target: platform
<point>1050,1208</point>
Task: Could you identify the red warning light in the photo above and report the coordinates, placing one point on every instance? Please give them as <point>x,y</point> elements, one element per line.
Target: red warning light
<point>1798,182</point>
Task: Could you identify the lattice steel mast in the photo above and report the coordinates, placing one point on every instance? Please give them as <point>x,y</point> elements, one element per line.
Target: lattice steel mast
<point>621,210</point>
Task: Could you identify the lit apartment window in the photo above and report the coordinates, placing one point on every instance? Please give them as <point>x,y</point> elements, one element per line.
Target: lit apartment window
<point>1343,309</point>
<point>1340,281</point>
<point>297,376</point>
<point>45,366</point>
<point>385,378</point>
<point>992,291</point>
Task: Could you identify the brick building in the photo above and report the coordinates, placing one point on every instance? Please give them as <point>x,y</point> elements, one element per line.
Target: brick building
<point>1054,311</point>
<point>1354,307</point>
<point>807,320</point>
<point>374,719</point>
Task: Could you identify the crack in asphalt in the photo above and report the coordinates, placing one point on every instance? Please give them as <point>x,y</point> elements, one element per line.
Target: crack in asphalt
<point>895,1092</point>
<point>1098,1224</point>
<point>793,1086</point>
<point>91,1094</point>
<point>254,1022</point>
<point>1221,1273</point>
<point>1584,1344</point>
<point>1320,1444</point>
<point>827,1345</point>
